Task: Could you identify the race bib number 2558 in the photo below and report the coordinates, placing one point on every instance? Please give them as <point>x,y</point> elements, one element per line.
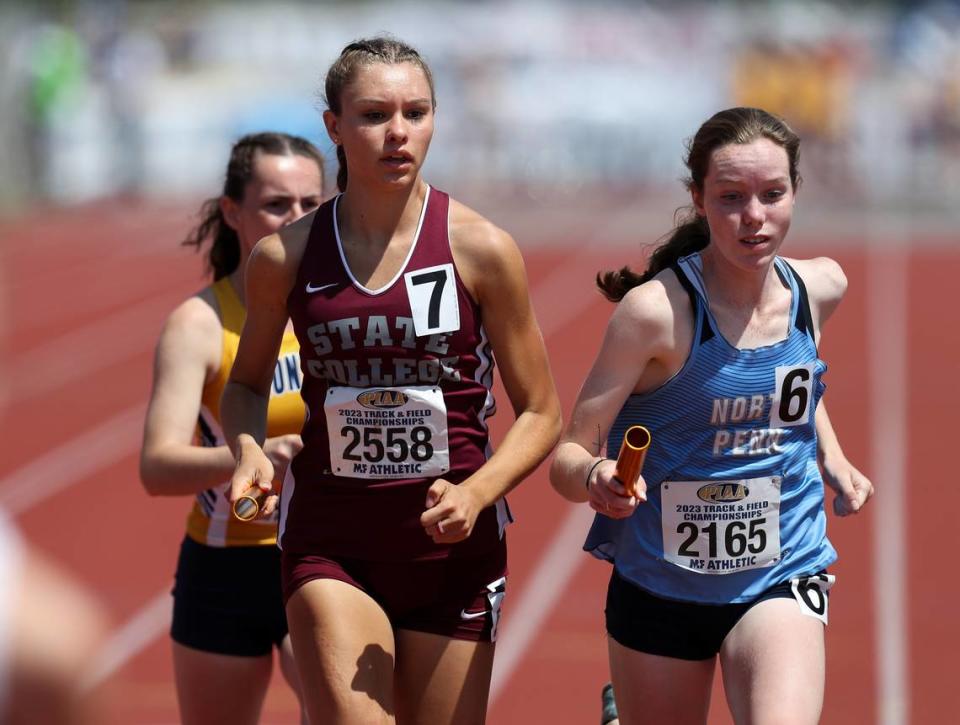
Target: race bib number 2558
<point>398,432</point>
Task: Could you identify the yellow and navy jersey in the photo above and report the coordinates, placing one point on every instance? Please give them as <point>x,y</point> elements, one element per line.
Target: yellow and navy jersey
<point>211,521</point>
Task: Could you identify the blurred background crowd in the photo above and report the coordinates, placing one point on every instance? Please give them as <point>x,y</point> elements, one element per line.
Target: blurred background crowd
<point>139,97</point>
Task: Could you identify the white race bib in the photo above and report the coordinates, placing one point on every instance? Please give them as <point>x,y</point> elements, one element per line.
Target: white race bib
<point>387,432</point>
<point>719,527</point>
<point>794,392</point>
<point>432,292</point>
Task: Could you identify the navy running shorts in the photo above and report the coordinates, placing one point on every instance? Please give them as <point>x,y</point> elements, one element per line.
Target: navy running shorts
<point>689,630</point>
<point>228,600</point>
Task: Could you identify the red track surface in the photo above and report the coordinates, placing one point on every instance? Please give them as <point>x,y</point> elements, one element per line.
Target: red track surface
<point>86,291</point>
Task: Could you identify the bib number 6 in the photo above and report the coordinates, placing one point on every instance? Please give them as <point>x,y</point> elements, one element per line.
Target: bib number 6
<point>794,391</point>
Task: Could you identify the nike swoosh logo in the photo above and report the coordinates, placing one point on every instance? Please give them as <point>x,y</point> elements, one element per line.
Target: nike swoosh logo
<point>311,289</point>
<point>464,614</point>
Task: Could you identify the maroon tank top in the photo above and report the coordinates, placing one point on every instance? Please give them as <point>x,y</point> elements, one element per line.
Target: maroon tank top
<point>397,383</point>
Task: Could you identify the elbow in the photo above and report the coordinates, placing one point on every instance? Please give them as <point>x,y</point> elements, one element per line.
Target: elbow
<point>556,428</point>
<point>149,478</point>
<point>559,483</point>
<point>553,425</point>
<point>560,476</point>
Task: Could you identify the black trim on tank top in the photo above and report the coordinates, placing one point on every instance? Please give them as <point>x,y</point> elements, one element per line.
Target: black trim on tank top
<point>706,330</point>
<point>206,433</point>
<point>804,321</point>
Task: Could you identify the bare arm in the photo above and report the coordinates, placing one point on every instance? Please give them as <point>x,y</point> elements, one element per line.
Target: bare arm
<point>646,343</point>
<point>58,632</point>
<point>187,353</point>
<point>243,406</point>
<point>851,488</point>
<point>826,284</point>
<point>494,270</point>
<point>641,349</point>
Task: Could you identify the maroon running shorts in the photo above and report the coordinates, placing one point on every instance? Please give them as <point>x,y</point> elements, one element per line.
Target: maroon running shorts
<point>452,597</point>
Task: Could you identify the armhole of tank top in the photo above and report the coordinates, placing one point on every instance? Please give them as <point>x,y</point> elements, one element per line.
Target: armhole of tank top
<point>701,321</point>
<point>207,437</point>
<point>461,285</point>
<point>802,317</point>
<point>311,247</point>
<point>220,312</point>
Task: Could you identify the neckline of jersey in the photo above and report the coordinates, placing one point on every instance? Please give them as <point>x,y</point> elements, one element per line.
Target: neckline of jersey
<point>343,257</point>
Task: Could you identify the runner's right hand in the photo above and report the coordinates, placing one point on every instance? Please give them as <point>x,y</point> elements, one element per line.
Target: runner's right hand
<point>607,494</point>
<point>254,468</point>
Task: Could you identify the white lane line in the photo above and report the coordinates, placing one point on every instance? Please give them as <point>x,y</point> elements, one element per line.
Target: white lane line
<point>541,593</point>
<point>98,299</point>
<point>887,302</point>
<point>81,457</point>
<point>132,638</point>
<point>573,283</point>
<point>88,349</point>
<point>66,465</point>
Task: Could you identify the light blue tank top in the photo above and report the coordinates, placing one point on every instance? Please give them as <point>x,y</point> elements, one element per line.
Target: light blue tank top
<point>735,497</point>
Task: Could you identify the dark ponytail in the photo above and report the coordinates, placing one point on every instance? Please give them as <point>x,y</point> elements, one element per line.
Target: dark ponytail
<point>691,233</point>
<point>224,255</point>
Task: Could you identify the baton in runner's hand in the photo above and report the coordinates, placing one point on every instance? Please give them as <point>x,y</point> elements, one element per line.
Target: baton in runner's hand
<point>633,450</point>
<point>247,506</point>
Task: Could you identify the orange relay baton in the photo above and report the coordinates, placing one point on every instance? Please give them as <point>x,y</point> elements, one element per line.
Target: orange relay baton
<point>247,506</point>
<point>633,450</point>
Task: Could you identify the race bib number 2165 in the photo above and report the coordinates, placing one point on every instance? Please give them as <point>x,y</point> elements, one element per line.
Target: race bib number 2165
<point>721,527</point>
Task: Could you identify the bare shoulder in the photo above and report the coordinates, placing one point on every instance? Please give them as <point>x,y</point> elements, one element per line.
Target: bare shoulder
<point>826,284</point>
<point>275,259</point>
<point>478,241</point>
<point>649,332</point>
<point>823,277</point>
<point>197,318</point>
<point>294,236</point>
<point>487,258</point>
<point>654,306</point>
<point>283,250</point>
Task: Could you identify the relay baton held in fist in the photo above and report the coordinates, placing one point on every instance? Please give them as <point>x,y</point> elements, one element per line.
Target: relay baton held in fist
<point>247,506</point>
<point>633,450</point>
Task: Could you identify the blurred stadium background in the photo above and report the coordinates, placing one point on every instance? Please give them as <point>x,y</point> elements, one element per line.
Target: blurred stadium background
<point>565,123</point>
<point>108,97</point>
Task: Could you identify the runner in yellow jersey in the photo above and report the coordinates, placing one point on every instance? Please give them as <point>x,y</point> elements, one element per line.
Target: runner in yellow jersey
<point>228,609</point>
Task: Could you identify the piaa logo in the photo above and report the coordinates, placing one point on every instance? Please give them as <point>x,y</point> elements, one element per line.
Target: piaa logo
<point>379,399</point>
<point>723,492</point>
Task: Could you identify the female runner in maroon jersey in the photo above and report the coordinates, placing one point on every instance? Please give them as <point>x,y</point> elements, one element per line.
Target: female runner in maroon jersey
<point>392,515</point>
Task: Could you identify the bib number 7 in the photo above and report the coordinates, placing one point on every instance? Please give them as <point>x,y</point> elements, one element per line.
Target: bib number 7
<point>432,292</point>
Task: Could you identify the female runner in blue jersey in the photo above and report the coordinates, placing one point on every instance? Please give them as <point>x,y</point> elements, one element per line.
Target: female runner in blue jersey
<point>723,551</point>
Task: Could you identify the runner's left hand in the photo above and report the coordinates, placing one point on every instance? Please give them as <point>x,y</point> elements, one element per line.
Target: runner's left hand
<point>451,512</point>
<point>852,488</point>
